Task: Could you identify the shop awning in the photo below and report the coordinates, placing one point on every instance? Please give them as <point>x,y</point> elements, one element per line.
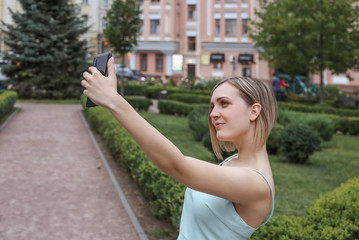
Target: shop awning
<point>217,57</point>
<point>245,59</point>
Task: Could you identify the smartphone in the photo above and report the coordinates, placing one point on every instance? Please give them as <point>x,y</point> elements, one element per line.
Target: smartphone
<point>100,62</point>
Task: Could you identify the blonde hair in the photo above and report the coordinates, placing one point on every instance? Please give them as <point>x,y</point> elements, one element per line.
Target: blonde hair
<point>251,91</point>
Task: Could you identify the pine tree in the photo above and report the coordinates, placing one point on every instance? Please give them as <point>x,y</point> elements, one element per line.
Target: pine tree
<point>47,57</point>
<point>123,27</point>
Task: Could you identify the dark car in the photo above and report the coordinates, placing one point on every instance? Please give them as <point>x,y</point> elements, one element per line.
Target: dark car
<point>129,74</point>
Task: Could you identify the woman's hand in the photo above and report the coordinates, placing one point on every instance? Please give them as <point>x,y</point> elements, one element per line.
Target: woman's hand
<point>100,89</point>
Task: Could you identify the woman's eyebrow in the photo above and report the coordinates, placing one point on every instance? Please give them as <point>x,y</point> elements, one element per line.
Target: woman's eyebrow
<point>220,98</point>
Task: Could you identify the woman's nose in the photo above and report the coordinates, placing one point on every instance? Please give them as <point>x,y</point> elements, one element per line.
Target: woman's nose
<point>214,113</point>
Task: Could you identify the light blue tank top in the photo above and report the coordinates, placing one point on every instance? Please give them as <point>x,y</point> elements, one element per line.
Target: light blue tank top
<point>207,217</point>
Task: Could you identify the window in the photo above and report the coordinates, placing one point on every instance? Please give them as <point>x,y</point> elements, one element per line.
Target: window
<point>246,72</point>
<point>155,1</point>
<point>104,23</point>
<point>244,1</point>
<point>143,62</point>
<point>231,1</point>
<point>192,11</point>
<point>191,43</point>
<point>159,62</point>
<point>155,26</point>
<point>85,2</point>
<point>84,19</point>
<point>231,27</point>
<point>105,3</point>
<point>217,65</point>
<point>141,26</point>
<point>218,27</point>
<point>244,26</point>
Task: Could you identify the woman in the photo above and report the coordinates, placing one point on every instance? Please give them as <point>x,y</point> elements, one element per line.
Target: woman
<point>226,201</point>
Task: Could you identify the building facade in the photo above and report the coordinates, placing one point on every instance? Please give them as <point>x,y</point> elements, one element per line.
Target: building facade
<point>180,38</point>
<point>200,38</point>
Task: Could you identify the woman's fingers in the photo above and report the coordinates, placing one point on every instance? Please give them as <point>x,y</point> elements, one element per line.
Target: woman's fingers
<point>85,84</point>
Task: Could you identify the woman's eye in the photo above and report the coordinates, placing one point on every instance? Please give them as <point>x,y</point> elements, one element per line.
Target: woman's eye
<point>224,103</point>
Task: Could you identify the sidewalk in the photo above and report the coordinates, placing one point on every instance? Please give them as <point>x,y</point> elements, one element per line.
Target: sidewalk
<point>50,184</point>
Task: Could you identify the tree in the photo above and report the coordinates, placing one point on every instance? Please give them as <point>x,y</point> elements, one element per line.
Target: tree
<point>123,28</point>
<point>308,35</point>
<point>46,54</point>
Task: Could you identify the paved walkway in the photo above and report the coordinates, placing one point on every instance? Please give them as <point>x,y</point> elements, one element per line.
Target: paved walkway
<point>50,184</point>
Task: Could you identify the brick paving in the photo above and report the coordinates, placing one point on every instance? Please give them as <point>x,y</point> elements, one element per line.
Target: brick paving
<point>50,184</point>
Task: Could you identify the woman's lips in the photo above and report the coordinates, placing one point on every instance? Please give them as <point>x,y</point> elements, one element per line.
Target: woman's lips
<point>218,125</point>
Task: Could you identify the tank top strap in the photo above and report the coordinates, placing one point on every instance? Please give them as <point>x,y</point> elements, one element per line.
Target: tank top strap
<point>228,159</point>
<point>270,187</point>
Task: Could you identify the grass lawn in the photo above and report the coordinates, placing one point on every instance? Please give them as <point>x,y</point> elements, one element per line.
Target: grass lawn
<point>296,185</point>
<point>176,129</point>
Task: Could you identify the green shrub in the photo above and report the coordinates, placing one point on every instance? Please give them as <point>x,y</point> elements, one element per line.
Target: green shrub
<point>273,139</point>
<point>318,109</point>
<point>164,194</point>
<point>139,103</point>
<point>331,92</point>
<point>7,102</point>
<point>198,122</point>
<point>333,216</point>
<point>190,98</point>
<point>207,84</point>
<point>322,124</point>
<point>174,107</point>
<point>135,89</point>
<point>153,91</point>
<point>297,142</point>
<point>283,117</point>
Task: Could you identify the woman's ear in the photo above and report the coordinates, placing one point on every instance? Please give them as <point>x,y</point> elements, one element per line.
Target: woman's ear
<point>255,111</point>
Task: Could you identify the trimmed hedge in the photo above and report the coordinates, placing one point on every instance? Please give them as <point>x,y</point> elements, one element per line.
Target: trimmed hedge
<point>153,91</point>
<point>175,107</point>
<point>135,89</point>
<point>7,102</point>
<point>333,216</point>
<point>139,103</point>
<point>343,124</point>
<point>318,109</point>
<point>190,98</point>
<point>165,195</point>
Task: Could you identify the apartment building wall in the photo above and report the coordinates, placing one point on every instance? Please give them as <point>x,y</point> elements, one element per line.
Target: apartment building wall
<point>6,17</point>
<point>200,38</point>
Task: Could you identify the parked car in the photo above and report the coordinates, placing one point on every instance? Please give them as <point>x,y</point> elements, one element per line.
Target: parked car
<point>348,98</point>
<point>129,74</point>
<point>298,84</point>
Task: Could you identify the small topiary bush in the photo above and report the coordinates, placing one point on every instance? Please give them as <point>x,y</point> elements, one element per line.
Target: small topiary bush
<point>324,125</point>
<point>273,139</point>
<point>298,142</point>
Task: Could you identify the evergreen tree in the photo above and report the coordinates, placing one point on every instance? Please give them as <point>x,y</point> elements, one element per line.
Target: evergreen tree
<point>123,28</point>
<point>309,35</point>
<point>47,57</point>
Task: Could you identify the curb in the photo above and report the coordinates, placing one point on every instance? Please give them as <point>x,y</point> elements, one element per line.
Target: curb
<point>140,232</point>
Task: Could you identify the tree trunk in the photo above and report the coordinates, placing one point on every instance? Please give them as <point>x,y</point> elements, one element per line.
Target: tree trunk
<point>321,87</point>
<point>122,91</point>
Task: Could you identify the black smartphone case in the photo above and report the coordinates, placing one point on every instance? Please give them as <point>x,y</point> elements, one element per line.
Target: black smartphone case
<point>100,62</point>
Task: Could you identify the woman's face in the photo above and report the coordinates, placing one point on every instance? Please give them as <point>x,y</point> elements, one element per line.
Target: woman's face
<point>230,114</point>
